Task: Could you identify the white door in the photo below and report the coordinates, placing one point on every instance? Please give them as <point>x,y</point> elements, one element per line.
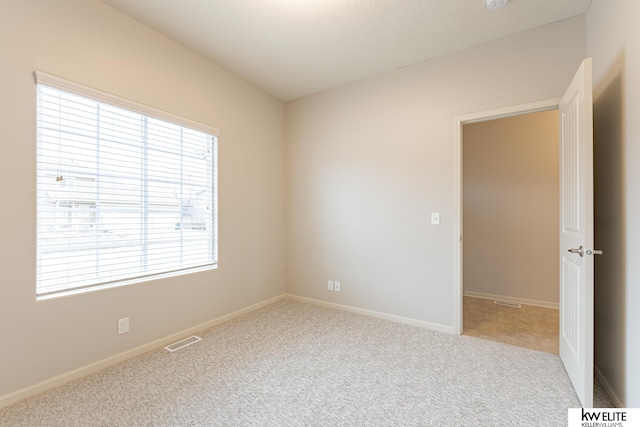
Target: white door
<point>576,233</point>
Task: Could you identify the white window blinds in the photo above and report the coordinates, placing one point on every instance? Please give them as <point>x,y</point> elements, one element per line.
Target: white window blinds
<point>125,193</point>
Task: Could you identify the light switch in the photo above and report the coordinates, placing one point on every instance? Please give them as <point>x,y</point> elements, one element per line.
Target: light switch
<point>435,218</point>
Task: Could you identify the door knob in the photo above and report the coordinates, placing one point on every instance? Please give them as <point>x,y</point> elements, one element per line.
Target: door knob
<point>579,251</point>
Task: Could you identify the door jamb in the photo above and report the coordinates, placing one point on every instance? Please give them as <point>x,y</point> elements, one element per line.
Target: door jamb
<point>458,122</point>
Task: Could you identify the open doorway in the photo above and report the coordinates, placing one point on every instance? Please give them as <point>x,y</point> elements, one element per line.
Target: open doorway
<point>576,230</point>
<point>510,199</point>
<point>459,123</point>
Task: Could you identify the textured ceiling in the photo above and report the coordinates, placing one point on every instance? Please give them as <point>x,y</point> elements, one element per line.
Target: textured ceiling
<point>293,48</point>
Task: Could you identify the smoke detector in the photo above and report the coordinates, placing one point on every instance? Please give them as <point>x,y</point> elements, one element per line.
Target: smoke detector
<point>496,4</point>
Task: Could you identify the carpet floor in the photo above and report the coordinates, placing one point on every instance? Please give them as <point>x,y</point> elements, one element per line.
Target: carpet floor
<point>296,364</point>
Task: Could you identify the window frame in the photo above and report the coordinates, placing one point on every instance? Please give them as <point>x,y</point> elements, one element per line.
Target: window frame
<point>55,82</point>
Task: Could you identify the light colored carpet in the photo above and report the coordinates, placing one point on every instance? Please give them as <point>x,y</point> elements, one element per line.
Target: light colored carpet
<point>295,364</point>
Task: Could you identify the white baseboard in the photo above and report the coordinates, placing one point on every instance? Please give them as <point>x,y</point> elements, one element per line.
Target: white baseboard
<point>608,389</point>
<point>392,317</point>
<point>109,361</point>
<point>534,302</point>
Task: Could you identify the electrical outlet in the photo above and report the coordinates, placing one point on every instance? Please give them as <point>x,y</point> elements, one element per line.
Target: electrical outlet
<point>336,286</point>
<point>123,326</point>
<point>330,285</point>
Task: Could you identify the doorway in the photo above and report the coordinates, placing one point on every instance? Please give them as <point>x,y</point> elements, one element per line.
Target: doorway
<point>510,176</point>
<point>459,122</point>
<point>576,231</point>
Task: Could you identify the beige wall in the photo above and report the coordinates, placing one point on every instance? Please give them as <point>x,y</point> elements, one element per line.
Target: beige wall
<point>368,162</point>
<point>90,43</point>
<point>510,207</point>
<point>613,40</point>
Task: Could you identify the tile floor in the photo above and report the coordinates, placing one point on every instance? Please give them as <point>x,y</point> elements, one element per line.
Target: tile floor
<point>530,327</point>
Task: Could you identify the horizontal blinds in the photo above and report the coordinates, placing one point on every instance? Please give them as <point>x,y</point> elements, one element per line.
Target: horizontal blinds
<point>50,80</point>
<point>121,195</point>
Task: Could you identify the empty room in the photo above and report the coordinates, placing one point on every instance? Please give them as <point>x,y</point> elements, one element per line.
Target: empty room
<point>251,212</point>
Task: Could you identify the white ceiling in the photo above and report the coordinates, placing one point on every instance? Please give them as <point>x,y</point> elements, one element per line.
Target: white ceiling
<point>293,48</point>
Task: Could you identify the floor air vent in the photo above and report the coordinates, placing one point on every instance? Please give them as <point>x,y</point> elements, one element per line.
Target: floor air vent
<point>508,304</point>
<point>183,343</point>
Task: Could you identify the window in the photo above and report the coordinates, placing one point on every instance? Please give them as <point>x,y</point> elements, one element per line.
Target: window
<point>125,193</point>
